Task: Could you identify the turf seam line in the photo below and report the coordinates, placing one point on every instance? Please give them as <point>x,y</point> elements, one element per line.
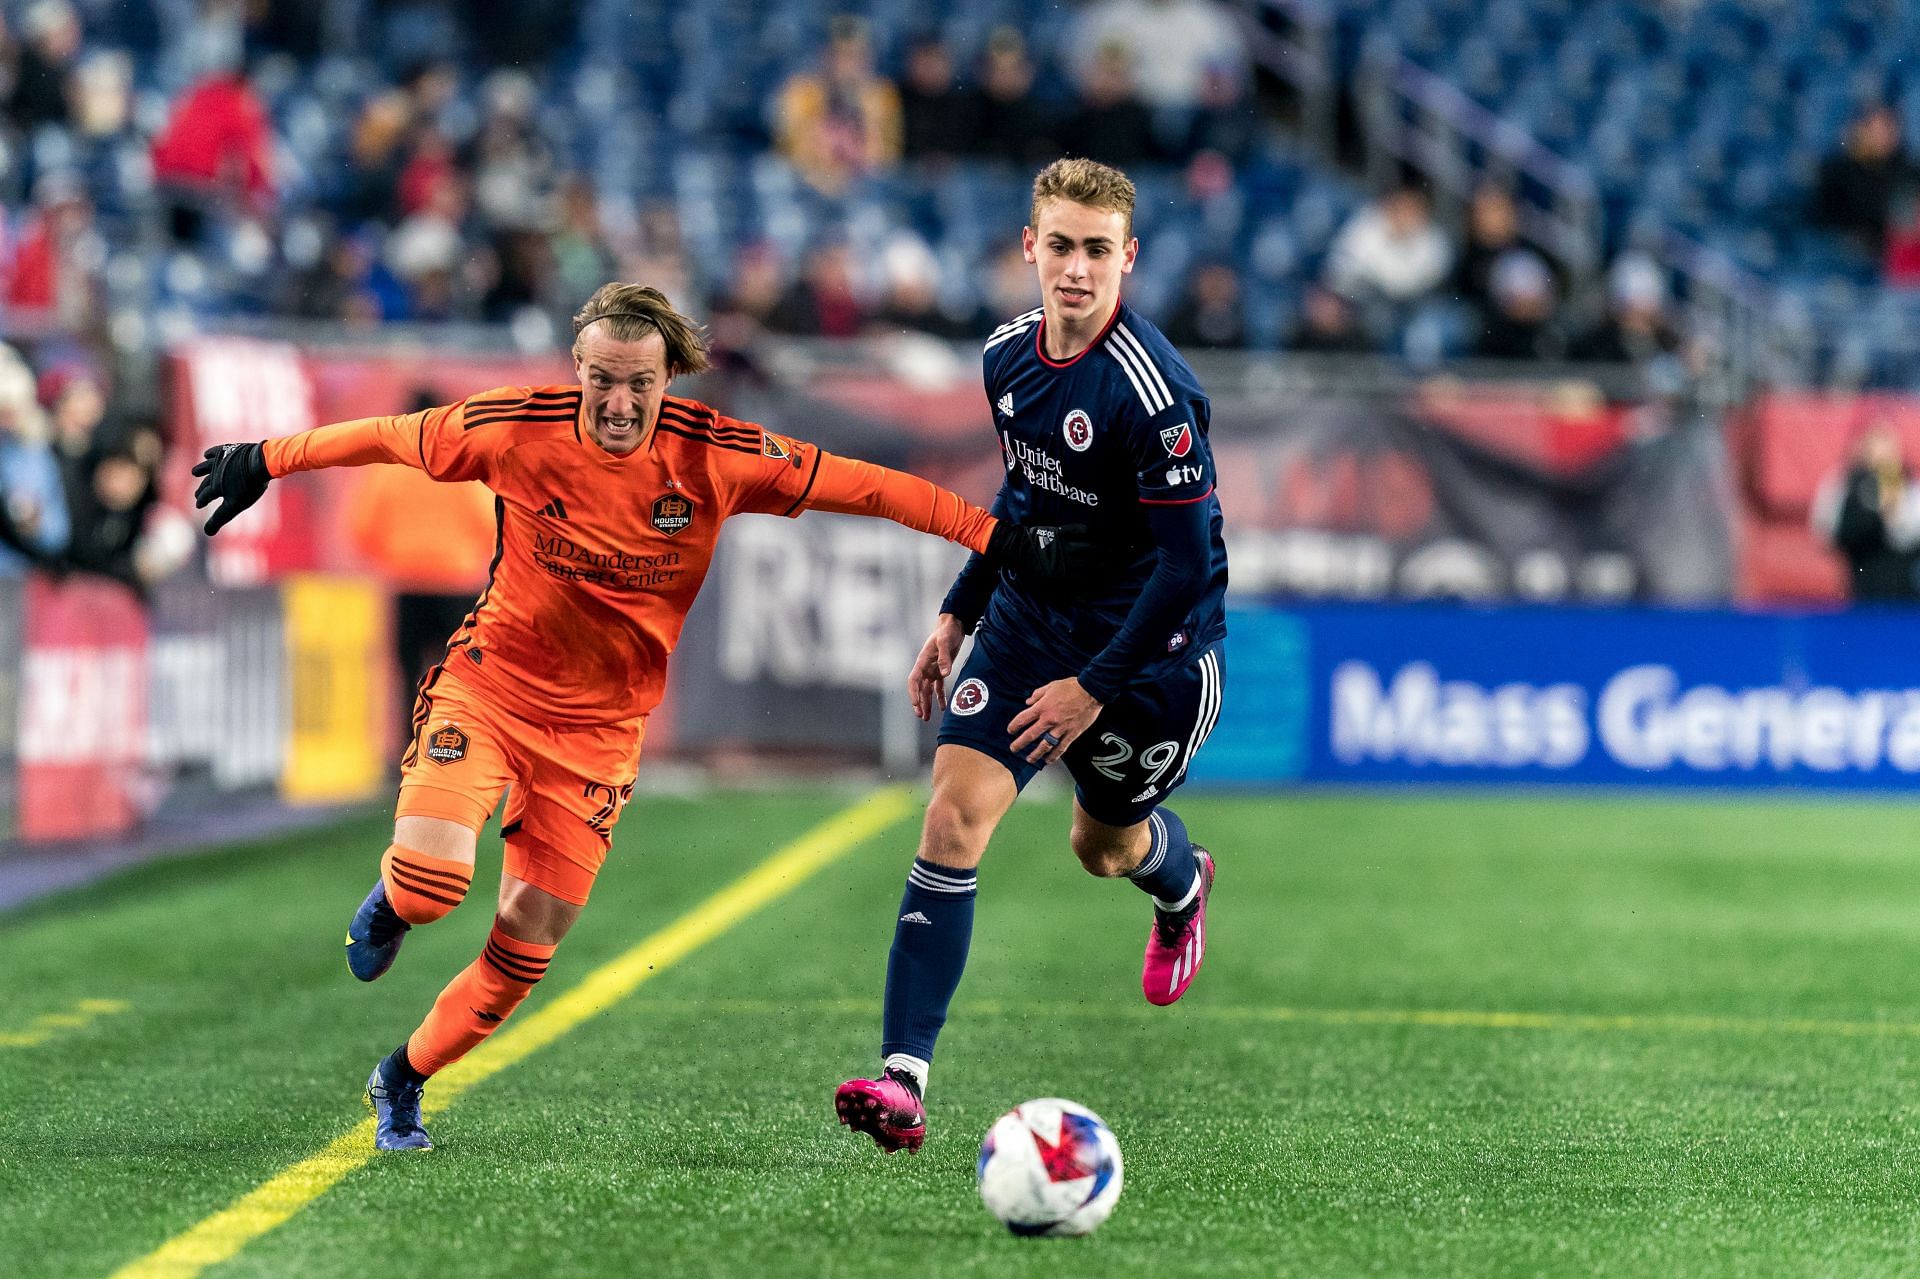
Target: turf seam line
<point>222,1236</point>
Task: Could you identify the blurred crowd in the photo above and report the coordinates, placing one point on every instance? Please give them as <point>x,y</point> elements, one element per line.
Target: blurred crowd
<point>442,194</point>
<point>162,159</point>
<point>79,479</point>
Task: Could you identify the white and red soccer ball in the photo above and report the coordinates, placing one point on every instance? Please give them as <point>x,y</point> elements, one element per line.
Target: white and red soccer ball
<point>1050,1167</point>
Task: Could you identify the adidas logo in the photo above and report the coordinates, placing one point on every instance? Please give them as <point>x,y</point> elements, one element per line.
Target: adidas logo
<point>914,917</point>
<point>1006,405</point>
<point>1145,795</point>
<point>554,510</point>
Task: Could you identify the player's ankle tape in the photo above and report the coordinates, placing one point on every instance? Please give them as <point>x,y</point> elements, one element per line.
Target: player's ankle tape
<point>420,888</point>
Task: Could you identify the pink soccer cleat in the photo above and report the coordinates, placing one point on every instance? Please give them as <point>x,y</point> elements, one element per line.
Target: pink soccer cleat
<point>887,1109</point>
<point>1178,942</point>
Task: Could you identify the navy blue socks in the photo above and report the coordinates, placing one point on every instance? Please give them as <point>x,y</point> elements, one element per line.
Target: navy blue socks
<point>1168,873</point>
<point>923,969</point>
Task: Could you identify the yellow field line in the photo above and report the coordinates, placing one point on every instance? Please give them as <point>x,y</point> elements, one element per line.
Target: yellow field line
<point>226,1232</point>
<point>1442,1018</point>
<point>48,1025</point>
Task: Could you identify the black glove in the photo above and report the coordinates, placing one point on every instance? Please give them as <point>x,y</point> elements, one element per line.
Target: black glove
<point>1044,551</point>
<point>234,473</point>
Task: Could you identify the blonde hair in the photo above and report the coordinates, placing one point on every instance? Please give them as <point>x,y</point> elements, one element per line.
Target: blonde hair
<point>633,311</point>
<point>1088,182</point>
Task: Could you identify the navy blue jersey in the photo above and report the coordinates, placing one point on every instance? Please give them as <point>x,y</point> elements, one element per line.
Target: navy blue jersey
<point>1098,440</point>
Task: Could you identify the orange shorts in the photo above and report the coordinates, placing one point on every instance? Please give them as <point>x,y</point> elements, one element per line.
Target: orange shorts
<point>569,784</point>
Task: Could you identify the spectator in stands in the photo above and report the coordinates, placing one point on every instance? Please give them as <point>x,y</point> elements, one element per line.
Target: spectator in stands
<point>939,117</point>
<point>376,157</point>
<point>431,86</point>
<point>1390,256</point>
<point>326,270</point>
<point>77,415</point>
<point>109,515</point>
<point>1871,515</point>
<point>1014,127</point>
<point>1110,124</point>
<point>1493,228</point>
<point>215,155</point>
<point>99,96</point>
<point>1636,329</point>
<point>825,300</point>
<point>582,260</point>
<point>424,255</point>
<point>1175,44</point>
<point>1520,322</point>
<point>511,167</point>
<point>52,44</point>
<point>912,300</point>
<point>742,309</point>
<point>1859,185</point>
<point>1210,313</point>
<point>1328,326</point>
<point>52,277</point>
<point>33,506</point>
<point>429,164</point>
<point>1223,123</point>
<point>518,271</point>
<point>841,122</point>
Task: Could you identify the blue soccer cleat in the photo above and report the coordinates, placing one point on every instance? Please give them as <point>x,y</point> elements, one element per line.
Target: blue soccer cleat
<point>374,936</point>
<point>394,1099</point>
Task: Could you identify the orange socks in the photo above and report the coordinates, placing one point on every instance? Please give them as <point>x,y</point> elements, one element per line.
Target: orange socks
<point>421,888</point>
<point>478,1000</point>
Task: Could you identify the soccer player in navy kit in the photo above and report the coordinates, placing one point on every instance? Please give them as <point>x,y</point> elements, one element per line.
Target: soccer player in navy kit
<point>1101,423</point>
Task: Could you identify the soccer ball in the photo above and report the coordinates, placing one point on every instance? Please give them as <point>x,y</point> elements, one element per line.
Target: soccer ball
<point>1050,1167</point>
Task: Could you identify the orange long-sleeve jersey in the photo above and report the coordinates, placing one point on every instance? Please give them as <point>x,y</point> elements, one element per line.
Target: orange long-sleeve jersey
<point>598,557</point>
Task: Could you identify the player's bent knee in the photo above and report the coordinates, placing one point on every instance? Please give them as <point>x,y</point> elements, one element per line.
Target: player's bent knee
<point>422,888</point>
<point>954,834</point>
<point>1102,855</point>
<point>532,913</point>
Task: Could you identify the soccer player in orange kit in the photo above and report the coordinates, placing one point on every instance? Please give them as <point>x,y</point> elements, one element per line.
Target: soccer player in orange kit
<point>609,496</point>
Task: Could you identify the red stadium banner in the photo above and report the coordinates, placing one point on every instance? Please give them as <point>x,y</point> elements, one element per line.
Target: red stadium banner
<point>83,710</point>
<point>228,389</point>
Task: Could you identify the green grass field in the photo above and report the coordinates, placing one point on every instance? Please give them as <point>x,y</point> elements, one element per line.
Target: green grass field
<point>1435,1036</point>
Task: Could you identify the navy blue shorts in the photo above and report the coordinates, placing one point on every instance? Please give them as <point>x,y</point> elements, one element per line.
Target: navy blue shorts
<point>1136,753</point>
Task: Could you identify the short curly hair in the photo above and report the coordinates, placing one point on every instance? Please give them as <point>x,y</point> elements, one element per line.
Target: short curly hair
<point>1088,182</point>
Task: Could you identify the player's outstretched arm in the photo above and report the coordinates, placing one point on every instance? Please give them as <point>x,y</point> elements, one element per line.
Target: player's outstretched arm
<point>236,475</point>
<point>853,487</point>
